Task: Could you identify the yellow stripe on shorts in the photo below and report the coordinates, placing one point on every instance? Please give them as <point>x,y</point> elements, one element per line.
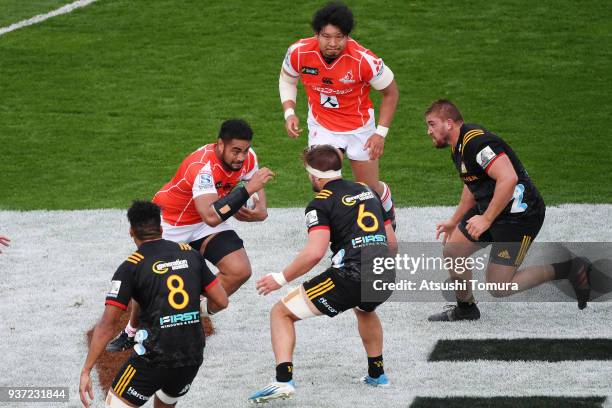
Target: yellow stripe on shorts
<point>321,291</point>
<point>315,287</point>
<point>120,382</point>
<point>127,381</point>
<point>523,251</point>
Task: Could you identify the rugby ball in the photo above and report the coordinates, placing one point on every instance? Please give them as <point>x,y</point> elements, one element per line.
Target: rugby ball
<point>252,201</point>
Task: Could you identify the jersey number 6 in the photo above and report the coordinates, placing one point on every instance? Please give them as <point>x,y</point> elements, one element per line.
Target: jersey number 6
<point>363,214</point>
<point>177,289</point>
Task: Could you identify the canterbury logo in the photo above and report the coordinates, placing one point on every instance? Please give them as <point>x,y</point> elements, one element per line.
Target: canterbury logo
<point>135,258</point>
<point>320,289</point>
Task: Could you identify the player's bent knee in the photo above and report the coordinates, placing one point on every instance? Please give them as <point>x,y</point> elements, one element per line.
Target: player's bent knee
<point>298,304</point>
<point>457,249</point>
<point>165,398</point>
<point>240,267</point>
<point>113,401</point>
<point>246,273</point>
<point>242,275</point>
<point>279,310</point>
<point>450,251</point>
<point>237,272</point>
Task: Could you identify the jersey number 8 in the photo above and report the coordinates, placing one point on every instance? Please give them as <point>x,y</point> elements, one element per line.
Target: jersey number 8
<point>175,289</point>
<point>362,215</point>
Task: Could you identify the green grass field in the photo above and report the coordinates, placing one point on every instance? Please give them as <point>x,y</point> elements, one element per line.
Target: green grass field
<point>99,106</point>
<point>12,11</point>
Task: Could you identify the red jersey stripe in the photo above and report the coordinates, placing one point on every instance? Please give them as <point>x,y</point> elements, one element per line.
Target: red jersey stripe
<point>117,304</point>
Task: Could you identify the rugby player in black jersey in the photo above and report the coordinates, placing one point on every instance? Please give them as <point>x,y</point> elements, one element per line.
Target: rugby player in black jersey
<point>166,279</point>
<point>351,217</point>
<point>499,206</point>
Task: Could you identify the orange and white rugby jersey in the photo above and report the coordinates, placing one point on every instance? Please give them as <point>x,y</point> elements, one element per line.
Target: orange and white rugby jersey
<point>200,173</point>
<point>338,93</point>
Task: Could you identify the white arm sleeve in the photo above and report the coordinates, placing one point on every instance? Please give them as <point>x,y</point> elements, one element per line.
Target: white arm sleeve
<point>287,86</point>
<point>383,80</point>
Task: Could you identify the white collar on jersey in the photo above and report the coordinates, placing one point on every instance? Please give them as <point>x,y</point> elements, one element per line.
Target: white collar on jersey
<point>324,174</point>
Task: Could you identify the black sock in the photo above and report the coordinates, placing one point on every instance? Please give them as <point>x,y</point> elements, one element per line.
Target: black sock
<point>284,372</point>
<point>376,366</point>
<point>471,302</point>
<point>562,269</point>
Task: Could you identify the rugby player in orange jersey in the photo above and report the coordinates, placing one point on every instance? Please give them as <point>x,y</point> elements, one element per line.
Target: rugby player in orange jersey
<point>337,74</point>
<point>197,202</point>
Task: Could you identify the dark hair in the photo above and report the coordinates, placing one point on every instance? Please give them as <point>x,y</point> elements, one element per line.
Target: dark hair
<point>145,219</point>
<point>235,129</point>
<point>322,157</point>
<point>336,14</point>
<point>445,109</point>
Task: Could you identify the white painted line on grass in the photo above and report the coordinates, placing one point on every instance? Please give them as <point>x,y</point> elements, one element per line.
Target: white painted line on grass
<point>42,17</point>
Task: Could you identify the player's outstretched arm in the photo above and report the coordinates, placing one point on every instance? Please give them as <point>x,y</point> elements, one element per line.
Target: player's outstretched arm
<point>308,258</point>
<point>103,333</point>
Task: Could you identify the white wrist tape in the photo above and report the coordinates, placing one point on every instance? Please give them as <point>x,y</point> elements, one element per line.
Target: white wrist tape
<point>289,112</point>
<point>279,278</point>
<point>382,130</point>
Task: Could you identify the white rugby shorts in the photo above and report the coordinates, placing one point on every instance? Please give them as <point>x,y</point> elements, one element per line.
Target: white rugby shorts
<point>192,232</point>
<point>351,142</point>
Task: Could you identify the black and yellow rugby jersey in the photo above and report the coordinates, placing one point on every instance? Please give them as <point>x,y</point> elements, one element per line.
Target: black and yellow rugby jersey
<point>166,279</point>
<point>356,220</point>
<point>475,152</point>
